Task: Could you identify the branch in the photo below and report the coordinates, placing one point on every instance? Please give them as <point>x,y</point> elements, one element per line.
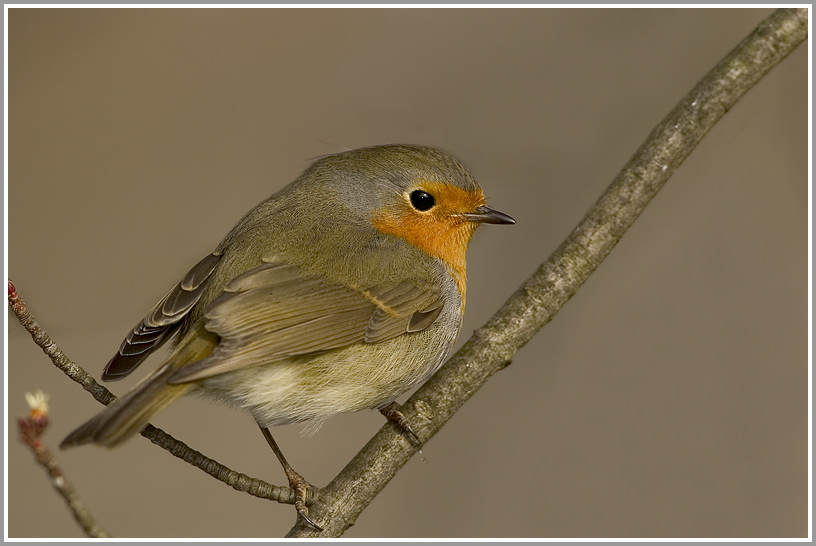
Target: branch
<point>536,303</point>
<point>42,339</point>
<point>31,428</point>
<point>236,480</point>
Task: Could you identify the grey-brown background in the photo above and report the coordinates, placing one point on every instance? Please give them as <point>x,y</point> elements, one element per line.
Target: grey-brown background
<point>668,398</point>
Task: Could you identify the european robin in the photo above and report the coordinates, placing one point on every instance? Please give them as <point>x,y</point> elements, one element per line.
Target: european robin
<point>338,293</point>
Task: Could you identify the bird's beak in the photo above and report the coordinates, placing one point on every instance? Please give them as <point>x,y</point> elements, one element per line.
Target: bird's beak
<point>487,215</point>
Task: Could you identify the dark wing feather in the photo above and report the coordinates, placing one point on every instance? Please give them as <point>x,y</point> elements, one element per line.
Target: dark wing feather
<point>156,328</point>
<point>275,311</point>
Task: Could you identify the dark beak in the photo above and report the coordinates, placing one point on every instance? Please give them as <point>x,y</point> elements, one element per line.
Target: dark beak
<point>487,215</point>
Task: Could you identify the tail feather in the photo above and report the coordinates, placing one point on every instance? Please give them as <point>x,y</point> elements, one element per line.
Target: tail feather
<point>128,415</point>
<point>131,413</point>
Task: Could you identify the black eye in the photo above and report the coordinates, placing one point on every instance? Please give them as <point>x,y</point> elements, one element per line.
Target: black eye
<point>422,201</point>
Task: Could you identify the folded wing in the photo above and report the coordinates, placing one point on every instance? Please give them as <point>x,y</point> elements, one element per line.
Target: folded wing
<point>275,311</point>
<point>157,327</point>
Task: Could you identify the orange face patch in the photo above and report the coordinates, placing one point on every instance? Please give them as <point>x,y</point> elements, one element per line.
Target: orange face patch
<point>441,231</point>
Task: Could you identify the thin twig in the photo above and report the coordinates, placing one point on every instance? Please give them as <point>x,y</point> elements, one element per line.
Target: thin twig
<point>42,339</point>
<point>31,428</point>
<point>492,347</point>
<point>236,480</point>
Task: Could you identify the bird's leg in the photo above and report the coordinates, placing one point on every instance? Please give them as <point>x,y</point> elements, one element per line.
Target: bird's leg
<point>298,484</point>
<point>392,413</point>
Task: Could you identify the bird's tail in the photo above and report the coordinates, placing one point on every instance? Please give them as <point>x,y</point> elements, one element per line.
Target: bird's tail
<point>131,413</point>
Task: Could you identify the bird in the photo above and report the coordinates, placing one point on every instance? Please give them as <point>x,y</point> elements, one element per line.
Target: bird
<point>338,293</point>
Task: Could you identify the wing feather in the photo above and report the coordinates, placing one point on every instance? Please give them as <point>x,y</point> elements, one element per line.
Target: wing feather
<point>275,311</point>
<point>156,328</point>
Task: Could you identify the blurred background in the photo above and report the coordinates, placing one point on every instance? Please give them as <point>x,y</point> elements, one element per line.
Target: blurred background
<point>669,398</point>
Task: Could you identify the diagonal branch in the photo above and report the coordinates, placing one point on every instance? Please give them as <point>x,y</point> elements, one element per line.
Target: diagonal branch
<point>52,351</point>
<point>492,347</point>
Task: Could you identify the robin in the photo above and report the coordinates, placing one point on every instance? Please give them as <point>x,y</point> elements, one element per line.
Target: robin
<point>338,293</point>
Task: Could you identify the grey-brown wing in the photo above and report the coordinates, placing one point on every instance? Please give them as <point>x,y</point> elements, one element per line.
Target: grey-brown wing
<point>156,328</point>
<point>274,311</point>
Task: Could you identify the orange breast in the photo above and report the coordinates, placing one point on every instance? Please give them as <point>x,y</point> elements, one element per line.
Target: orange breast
<point>441,231</point>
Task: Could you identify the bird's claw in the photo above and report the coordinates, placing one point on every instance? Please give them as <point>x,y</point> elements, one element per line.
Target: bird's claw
<point>296,482</point>
<point>392,413</point>
<point>300,486</point>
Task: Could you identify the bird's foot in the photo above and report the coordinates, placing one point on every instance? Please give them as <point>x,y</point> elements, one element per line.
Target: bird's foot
<point>300,486</point>
<point>297,483</point>
<point>392,413</point>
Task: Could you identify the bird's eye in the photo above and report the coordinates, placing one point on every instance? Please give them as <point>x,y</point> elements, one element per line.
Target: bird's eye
<point>421,200</point>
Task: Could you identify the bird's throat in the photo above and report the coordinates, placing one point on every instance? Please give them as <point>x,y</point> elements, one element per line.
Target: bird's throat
<point>447,240</point>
